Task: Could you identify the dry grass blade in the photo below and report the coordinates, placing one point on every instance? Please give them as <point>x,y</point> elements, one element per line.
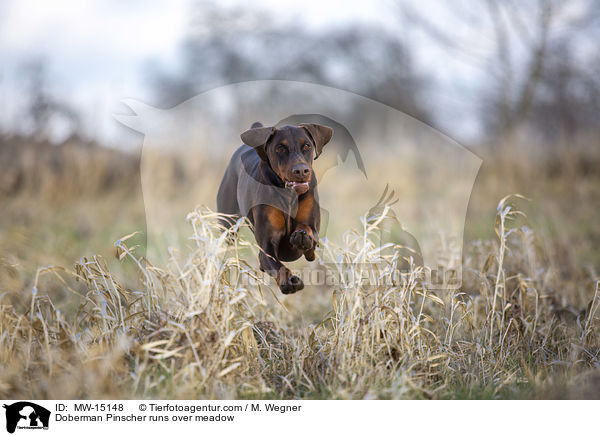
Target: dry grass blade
<point>201,327</point>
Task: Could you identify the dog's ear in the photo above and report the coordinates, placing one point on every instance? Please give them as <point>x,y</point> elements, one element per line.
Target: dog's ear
<point>257,138</point>
<point>320,135</point>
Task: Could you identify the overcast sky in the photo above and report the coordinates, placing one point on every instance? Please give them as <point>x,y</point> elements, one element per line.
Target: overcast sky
<point>98,51</point>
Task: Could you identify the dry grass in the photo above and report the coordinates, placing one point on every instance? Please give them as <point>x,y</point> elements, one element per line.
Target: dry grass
<point>58,203</point>
<point>62,172</point>
<point>201,326</point>
<point>204,325</point>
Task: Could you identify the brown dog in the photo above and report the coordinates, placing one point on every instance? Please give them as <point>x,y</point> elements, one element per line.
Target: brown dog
<point>271,181</point>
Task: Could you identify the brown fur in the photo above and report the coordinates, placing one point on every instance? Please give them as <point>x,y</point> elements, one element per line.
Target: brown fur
<point>273,160</point>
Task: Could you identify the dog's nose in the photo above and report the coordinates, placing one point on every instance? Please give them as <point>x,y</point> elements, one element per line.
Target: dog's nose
<point>300,170</point>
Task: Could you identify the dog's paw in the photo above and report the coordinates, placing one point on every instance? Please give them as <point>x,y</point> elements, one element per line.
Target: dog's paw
<point>302,239</point>
<point>288,282</point>
<point>291,285</point>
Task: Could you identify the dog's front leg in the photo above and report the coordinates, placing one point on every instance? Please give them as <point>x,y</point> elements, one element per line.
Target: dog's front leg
<point>305,236</point>
<point>269,230</point>
<point>310,253</point>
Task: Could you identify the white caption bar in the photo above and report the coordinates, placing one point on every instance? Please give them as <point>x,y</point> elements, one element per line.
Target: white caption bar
<point>158,417</point>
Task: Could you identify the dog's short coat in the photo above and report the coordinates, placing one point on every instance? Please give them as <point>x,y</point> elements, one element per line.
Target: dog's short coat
<point>271,181</point>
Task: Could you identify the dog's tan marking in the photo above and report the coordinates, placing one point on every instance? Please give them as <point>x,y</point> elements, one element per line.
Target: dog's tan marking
<point>275,217</point>
<point>305,209</point>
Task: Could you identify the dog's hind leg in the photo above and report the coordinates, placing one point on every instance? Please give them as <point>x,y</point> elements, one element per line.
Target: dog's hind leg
<point>227,203</point>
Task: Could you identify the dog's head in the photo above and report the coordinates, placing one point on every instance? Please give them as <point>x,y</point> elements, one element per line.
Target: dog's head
<point>289,150</point>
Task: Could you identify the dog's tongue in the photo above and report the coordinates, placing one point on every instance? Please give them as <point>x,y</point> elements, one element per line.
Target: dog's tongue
<point>299,187</point>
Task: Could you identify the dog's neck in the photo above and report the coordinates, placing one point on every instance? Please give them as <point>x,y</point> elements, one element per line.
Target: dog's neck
<point>271,175</point>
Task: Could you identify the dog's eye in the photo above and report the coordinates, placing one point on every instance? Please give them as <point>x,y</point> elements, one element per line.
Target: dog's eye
<point>307,146</point>
<point>281,148</point>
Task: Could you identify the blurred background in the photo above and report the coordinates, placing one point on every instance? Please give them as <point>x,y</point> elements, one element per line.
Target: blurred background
<point>514,81</point>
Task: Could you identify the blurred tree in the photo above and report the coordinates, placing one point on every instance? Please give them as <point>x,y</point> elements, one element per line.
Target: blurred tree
<point>568,100</point>
<point>232,45</point>
<point>541,76</point>
<point>44,113</point>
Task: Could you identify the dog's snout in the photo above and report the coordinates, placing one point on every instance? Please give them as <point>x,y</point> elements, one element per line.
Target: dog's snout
<point>301,170</point>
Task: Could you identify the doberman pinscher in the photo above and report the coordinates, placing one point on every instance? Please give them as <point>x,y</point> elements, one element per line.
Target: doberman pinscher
<point>271,181</point>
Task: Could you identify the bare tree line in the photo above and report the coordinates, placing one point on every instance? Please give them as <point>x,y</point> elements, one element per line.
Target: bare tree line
<point>541,71</point>
<point>232,45</point>
<point>42,110</point>
<point>540,82</point>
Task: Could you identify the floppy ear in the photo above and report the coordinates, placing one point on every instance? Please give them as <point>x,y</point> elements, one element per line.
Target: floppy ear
<point>257,138</point>
<point>320,135</point>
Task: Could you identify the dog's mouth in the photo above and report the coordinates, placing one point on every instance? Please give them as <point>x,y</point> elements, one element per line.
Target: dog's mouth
<point>299,187</point>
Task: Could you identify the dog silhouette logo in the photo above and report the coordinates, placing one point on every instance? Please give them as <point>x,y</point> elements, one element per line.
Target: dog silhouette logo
<point>26,415</point>
<point>379,161</point>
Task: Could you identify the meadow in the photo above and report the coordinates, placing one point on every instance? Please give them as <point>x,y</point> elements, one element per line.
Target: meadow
<point>84,314</point>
